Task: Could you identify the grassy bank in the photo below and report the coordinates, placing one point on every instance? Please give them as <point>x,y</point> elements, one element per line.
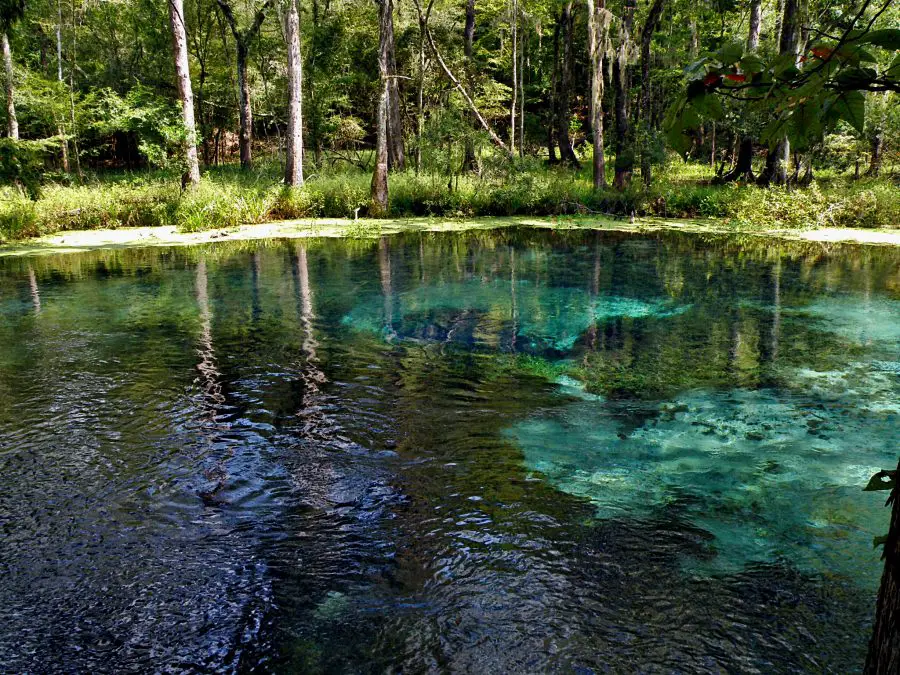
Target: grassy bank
<point>227,198</point>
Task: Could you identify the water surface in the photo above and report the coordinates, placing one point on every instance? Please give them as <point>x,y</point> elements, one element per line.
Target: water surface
<point>498,451</point>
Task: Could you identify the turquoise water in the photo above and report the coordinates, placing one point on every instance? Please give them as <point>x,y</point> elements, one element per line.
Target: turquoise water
<point>502,451</point>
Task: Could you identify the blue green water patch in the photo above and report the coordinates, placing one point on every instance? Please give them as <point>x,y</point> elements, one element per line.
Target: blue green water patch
<point>769,476</point>
<point>552,317</point>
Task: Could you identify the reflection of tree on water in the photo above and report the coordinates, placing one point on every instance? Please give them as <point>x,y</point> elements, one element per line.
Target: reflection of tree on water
<point>210,377</point>
<point>35,293</point>
<point>209,381</point>
<point>311,374</point>
<point>387,289</point>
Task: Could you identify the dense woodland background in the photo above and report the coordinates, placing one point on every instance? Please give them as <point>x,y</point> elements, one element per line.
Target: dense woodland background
<point>477,107</point>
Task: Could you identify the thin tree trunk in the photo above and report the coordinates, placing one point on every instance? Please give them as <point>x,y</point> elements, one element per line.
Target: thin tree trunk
<point>379,192</point>
<point>554,96</point>
<point>245,110</point>
<point>242,42</point>
<point>650,26</point>
<point>293,173</point>
<point>755,22</point>
<point>64,143</point>
<point>622,86</point>
<point>469,161</point>
<point>12,123</point>
<point>183,76</point>
<point>522,45</point>
<point>513,20</point>
<point>563,140</point>
<point>420,100</point>
<point>598,25</point>
<point>396,150</point>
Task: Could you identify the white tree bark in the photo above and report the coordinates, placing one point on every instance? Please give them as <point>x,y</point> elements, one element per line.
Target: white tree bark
<point>12,124</point>
<point>183,76</point>
<point>293,174</point>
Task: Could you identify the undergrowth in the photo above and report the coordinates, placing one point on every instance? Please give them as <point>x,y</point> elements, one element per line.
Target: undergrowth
<point>227,198</point>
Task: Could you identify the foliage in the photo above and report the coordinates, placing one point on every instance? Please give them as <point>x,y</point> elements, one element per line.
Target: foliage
<point>227,198</point>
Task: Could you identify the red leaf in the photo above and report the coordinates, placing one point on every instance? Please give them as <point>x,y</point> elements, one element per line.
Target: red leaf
<point>821,52</point>
<point>736,78</point>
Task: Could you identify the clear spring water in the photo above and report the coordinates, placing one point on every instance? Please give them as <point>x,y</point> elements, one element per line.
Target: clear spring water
<point>501,451</point>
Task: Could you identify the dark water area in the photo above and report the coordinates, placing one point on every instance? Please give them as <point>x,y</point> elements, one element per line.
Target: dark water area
<point>501,451</point>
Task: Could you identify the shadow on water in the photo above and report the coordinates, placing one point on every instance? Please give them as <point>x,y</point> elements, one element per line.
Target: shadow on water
<point>494,451</point>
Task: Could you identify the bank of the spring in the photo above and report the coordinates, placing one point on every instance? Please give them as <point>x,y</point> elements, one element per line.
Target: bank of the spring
<point>227,199</point>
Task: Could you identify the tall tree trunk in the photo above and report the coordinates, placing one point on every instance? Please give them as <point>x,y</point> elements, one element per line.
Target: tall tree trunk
<point>563,140</point>
<point>396,151</point>
<point>523,43</point>
<point>598,25</point>
<point>379,192</point>
<point>652,22</point>
<point>755,22</point>
<point>554,97</point>
<point>513,21</point>
<point>775,172</point>
<point>420,99</point>
<point>12,123</point>
<point>622,86</point>
<point>245,111</point>
<point>64,143</point>
<point>242,42</point>
<point>183,76</point>
<point>884,647</point>
<point>469,161</point>
<point>293,173</point>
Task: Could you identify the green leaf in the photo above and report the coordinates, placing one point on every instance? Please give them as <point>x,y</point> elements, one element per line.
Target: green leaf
<point>784,66</point>
<point>886,38</point>
<point>851,107</point>
<point>697,69</point>
<point>752,64</point>
<point>709,106</point>
<point>730,53</point>
<point>805,126</point>
<point>883,480</point>
<point>879,541</point>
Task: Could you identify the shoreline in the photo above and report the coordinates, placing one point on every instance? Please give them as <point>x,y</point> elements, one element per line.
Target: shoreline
<point>76,241</point>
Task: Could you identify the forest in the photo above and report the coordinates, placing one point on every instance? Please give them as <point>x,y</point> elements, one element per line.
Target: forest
<point>210,113</point>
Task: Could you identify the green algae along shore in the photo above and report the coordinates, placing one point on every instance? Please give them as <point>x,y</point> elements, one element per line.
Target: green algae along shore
<point>87,240</point>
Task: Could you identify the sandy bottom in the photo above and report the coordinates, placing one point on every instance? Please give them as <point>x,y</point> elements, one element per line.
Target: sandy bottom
<point>86,240</point>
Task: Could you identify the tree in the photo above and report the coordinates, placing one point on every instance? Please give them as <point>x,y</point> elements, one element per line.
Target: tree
<point>10,12</point>
<point>775,171</point>
<point>183,76</point>
<point>800,95</point>
<point>242,40</point>
<point>599,20</point>
<point>379,192</point>
<point>650,26</point>
<point>566,27</point>
<point>622,86</point>
<point>293,174</point>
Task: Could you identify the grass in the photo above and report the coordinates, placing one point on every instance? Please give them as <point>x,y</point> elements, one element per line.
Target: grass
<point>227,197</point>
